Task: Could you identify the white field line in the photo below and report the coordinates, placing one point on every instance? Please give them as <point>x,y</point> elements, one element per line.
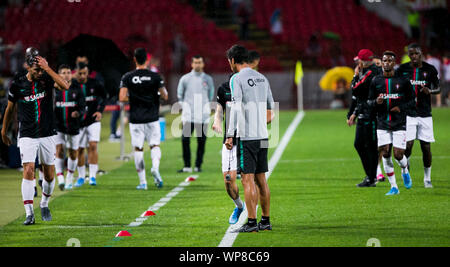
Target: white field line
<point>160,203</point>
<point>356,158</point>
<point>230,236</point>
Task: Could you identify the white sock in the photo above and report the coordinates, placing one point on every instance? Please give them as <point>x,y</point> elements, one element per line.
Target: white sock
<point>238,203</point>
<point>156,157</point>
<point>403,164</point>
<point>47,191</point>
<point>81,171</point>
<point>427,174</point>
<point>59,167</point>
<point>379,172</point>
<point>41,175</point>
<point>71,166</point>
<point>93,168</point>
<point>27,196</point>
<point>389,169</point>
<point>140,166</point>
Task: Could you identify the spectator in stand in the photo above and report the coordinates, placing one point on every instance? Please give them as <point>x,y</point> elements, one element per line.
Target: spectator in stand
<point>235,5</point>
<point>244,20</point>
<point>179,49</point>
<point>276,22</point>
<point>335,52</point>
<point>313,51</point>
<point>436,62</point>
<point>414,23</point>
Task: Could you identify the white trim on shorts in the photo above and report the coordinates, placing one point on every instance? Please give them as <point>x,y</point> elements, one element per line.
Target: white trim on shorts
<point>141,132</point>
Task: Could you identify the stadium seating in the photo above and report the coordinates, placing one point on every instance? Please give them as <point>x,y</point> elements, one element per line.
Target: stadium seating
<point>357,27</point>
<point>156,22</point>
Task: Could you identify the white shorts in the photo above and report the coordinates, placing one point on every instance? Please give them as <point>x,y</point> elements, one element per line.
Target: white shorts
<point>141,132</point>
<point>67,140</point>
<point>229,159</point>
<point>419,128</point>
<point>90,134</point>
<point>397,138</point>
<point>30,147</point>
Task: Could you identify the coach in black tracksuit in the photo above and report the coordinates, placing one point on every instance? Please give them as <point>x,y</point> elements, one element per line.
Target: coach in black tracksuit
<point>366,126</point>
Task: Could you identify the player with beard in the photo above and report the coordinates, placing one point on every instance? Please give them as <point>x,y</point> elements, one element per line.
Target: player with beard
<point>32,94</point>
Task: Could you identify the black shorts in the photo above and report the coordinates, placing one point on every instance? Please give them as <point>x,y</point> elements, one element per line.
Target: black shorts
<point>252,156</point>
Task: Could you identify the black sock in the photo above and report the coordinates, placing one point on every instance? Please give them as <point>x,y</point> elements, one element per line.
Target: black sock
<point>251,222</point>
<point>265,220</point>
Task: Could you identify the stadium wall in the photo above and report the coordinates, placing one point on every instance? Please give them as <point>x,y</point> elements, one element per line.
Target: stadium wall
<point>283,89</point>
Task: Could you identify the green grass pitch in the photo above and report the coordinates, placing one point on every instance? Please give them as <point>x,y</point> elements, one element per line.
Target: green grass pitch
<point>314,198</point>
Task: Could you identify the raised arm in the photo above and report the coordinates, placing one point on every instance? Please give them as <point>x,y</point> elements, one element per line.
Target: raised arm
<point>62,84</point>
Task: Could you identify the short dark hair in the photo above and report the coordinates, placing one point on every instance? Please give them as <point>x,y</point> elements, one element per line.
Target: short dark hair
<point>253,55</point>
<point>414,46</point>
<point>389,53</point>
<point>140,55</point>
<point>64,66</point>
<point>81,65</point>
<point>196,57</point>
<point>238,53</point>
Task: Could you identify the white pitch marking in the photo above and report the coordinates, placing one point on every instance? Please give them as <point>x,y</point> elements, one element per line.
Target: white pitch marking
<point>163,201</point>
<point>230,237</point>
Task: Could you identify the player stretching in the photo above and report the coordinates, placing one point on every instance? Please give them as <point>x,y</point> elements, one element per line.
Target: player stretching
<point>32,94</point>
<point>250,89</point>
<point>392,96</point>
<point>425,81</point>
<point>95,95</point>
<point>143,88</point>
<point>69,107</point>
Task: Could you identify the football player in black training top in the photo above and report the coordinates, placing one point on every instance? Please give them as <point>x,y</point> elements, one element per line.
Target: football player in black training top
<point>32,94</point>
<point>391,96</point>
<point>69,108</point>
<point>425,81</point>
<point>95,95</point>
<point>142,88</point>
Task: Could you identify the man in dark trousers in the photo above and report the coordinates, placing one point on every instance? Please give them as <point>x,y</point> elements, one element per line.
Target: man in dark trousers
<point>366,136</point>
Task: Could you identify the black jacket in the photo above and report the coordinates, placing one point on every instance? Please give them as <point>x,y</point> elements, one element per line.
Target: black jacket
<point>360,91</point>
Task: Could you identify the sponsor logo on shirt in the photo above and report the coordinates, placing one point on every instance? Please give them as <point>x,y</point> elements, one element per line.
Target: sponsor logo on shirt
<point>35,97</point>
<point>90,98</point>
<point>420,83</point>
<point>139,80</point>
<point>65,104</point>
<point>253,82</point>
<point>390,96</point>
